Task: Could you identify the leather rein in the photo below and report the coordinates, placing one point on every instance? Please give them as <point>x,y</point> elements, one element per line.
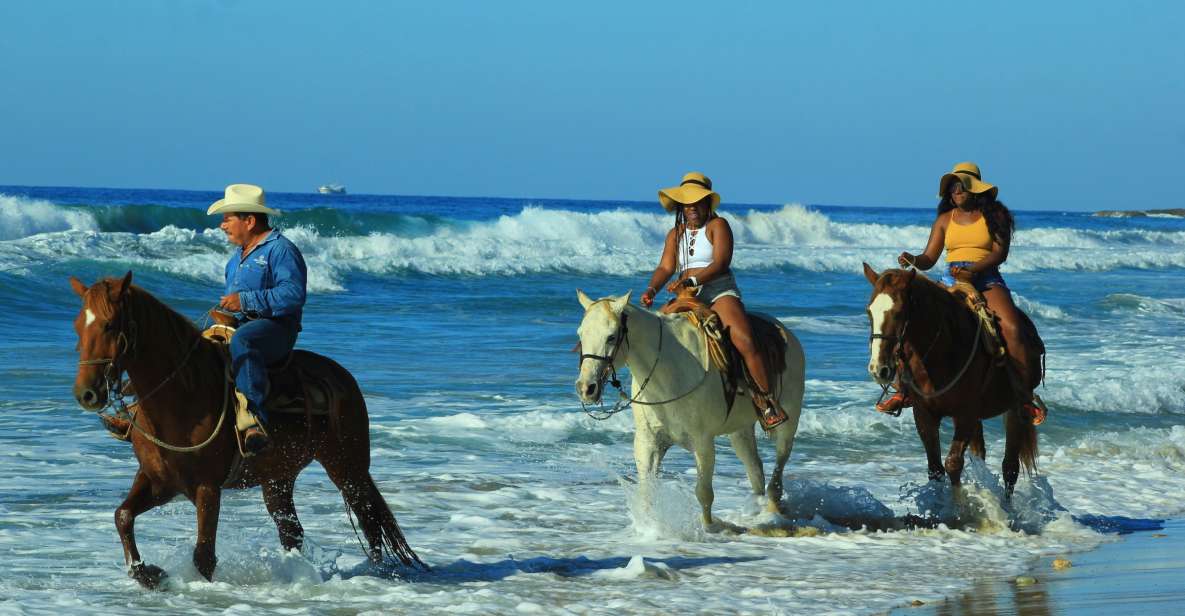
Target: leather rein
<point>906,375</point>
<point>609,370</point>
<point>113,382</point>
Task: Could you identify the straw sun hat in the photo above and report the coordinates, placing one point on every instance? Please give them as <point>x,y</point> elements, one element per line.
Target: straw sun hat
<point>244,199</point>
<point>968,174</point>
<point>693,189</point>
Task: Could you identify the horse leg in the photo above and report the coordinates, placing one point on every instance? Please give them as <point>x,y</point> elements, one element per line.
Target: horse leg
<point>140,498</point>
<point>977,446</point>
<point>784,434</point>
<point>349,481</point>
<point>927,427</point>
<point>649,450</point>
<point>378,523</point>
<point>208,500</point>
<point>705,465</point>
<point>964,432</point>
<point>1010,467</point>
<point>784,437</point>
<point>277,496</point>
<point>1020,449</point>
<point>744,443</point>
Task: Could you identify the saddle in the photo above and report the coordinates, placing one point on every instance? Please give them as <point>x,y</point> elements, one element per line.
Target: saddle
<point>303,383</point>
<point>769,336</point>
<point>992,340</point>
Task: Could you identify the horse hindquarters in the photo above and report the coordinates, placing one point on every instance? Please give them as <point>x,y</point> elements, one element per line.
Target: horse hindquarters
<point>345,456</point>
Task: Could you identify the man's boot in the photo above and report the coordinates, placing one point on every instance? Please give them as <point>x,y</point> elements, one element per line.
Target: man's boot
<point>248,423</point>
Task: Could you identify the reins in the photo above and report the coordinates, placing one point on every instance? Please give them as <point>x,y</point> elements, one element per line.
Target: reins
<point>115,387</point>
<point>906,376</point>
<point>626,400</point>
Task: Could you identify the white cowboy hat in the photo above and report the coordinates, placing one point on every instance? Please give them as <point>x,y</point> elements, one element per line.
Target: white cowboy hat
<point>242,198</point>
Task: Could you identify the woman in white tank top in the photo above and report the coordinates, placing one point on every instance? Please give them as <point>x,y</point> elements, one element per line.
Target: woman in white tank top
<point>699,250</point>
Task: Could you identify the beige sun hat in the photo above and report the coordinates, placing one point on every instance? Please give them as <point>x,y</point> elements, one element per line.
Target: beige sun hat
<point>694,187</point>
<point>242,198</point>
<point>968,174</point>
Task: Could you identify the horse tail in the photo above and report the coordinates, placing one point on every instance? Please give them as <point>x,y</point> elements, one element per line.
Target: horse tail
<point>393,541</point>
<point>1023,433</point>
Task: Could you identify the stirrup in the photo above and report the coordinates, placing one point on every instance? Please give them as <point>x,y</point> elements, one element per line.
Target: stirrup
<point>1036,410</point>
<point>899,400</point>
<point>255,439</point>
<point>771,416</point>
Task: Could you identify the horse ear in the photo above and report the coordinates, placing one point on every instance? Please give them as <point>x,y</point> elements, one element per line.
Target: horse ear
<point>78,287</point>
<point>913,273</point>
<point>620,303</point>
<point>871,274</point>
<point>585,301</point>
<point>121,289</point>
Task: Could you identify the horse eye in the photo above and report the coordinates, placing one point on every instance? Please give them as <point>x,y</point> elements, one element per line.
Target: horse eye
<point>611,338</point>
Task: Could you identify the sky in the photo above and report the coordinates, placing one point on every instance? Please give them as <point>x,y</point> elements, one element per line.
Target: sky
<point>1064,105</point>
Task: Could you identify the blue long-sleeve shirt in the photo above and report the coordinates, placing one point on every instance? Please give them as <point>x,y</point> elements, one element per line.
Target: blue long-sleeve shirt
<point>271,280</point>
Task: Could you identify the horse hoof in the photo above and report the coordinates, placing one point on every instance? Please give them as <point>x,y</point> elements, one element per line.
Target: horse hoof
<point>720,526</point>
<point>149,576</point>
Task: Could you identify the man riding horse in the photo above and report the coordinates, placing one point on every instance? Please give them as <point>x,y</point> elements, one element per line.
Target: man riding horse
<point>265,292</point>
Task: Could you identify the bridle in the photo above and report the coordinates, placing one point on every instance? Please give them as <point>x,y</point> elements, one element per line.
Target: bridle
<point>898,354</point>
<point>609,370</point>
<point>126,347</point>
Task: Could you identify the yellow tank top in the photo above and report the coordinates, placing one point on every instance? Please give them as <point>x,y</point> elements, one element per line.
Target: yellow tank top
<point>970,242</point>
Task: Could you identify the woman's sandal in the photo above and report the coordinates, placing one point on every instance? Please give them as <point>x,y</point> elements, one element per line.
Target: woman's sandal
<point>894,404</point>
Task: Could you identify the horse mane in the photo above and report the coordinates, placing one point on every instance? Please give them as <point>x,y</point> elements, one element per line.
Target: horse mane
<point>157,320</point>
<point>935,303</point>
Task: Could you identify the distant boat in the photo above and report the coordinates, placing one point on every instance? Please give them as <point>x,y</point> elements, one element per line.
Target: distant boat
<point>332,189</point>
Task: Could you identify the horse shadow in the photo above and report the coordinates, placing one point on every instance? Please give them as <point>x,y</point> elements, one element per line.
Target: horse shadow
<point>463,571</point>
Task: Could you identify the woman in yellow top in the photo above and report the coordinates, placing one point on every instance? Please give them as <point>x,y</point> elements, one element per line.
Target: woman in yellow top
<point>976,230</point>
<point>699,249</point>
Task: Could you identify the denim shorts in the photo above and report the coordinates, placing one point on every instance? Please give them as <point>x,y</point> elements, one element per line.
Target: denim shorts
<point>718,287</point>
<point>982,281</point>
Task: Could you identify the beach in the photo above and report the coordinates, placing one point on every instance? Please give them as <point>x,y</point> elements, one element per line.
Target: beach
<point>457,317</point>
<point>1140,573</point>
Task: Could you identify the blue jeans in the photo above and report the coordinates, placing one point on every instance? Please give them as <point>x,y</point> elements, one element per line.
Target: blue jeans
<point>982,281</point>
<point>256,345</point>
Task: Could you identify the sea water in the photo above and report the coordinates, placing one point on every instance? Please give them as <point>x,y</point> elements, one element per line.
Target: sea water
<point>457,316</point>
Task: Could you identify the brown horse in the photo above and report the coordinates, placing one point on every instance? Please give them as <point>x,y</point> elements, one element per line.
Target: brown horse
<point>935,338</point>
<point>182,443</point>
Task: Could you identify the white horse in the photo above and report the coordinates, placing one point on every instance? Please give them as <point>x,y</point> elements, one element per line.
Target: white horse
<point>677,393</point>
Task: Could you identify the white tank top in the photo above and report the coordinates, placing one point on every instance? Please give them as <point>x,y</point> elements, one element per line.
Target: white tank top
<point>702,247</point>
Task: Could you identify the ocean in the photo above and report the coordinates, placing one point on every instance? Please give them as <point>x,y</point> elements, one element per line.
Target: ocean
<point>457,317</point>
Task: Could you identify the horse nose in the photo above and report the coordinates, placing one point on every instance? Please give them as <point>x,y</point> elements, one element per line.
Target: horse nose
<point>89,398</point>
<point>590,390</point>
<point>884,373</point>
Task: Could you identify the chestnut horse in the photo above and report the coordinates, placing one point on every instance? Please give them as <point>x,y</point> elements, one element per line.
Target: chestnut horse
<point>933,335</point>
<point>182,443</point>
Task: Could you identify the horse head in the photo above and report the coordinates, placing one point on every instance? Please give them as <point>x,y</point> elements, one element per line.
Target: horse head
<point>106,338</point>
<point>602,334</point>
<point>888,315</point>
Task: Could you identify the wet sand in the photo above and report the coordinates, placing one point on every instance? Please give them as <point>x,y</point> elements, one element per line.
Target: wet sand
<point>1142,573</point>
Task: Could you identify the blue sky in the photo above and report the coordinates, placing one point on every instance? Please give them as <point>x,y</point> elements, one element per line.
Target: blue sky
<point>1065,105</point>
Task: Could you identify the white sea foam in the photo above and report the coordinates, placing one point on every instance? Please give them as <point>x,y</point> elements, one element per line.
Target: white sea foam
<point>1038,310</point>
<point>23,217</point>
<point>1161,307</point>
<point>547,240</point>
